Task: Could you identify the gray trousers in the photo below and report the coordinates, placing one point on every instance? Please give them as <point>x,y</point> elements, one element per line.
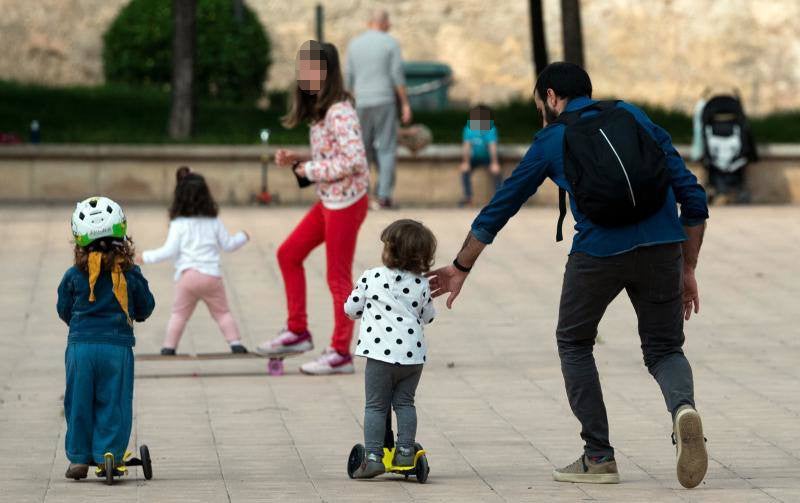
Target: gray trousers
<point>386,386</point>
<point>379,132</point>
<point>653,279</point>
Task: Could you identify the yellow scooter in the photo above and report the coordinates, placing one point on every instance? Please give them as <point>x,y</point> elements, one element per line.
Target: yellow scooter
<point>419,469</point>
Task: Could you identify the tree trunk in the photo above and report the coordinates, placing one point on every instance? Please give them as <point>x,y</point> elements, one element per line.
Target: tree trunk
<point>183,42</point>
<point>538,36</point>
<point>571,25</point>
<point>238,10</point>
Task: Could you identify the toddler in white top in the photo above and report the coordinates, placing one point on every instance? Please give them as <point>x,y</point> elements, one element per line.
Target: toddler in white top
<point>394,303</point>
<point>194,241</point>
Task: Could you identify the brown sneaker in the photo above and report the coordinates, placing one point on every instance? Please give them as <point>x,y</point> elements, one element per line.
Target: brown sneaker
<point>691,445</point>
<point>586,471</point>
<point>77,471</point>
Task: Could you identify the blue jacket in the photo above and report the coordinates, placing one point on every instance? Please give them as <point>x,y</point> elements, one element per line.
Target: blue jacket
<point>544,159</point>
<point>103,320</point>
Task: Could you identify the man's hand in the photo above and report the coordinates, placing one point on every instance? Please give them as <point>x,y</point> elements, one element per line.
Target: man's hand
<point>444,280</point>
<point>691,296</point>
<point>405,114</point>
<point>494,168</point>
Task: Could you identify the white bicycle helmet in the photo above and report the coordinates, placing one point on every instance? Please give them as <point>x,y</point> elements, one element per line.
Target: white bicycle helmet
<point>98,217</point>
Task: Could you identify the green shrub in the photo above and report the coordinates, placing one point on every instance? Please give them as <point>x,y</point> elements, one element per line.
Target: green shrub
<point>231,58</point>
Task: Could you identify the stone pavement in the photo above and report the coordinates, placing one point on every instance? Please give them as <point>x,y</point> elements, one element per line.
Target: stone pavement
<point>495,422</point>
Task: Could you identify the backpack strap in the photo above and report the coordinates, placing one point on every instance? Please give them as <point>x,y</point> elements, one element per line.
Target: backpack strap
<point>569,118</point>
<point>562,212</point>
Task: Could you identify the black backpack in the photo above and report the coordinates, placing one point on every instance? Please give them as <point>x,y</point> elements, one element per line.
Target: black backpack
<point>618,173</point>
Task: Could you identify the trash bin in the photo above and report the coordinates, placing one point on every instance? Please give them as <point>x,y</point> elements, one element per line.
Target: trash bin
<point>427,84</point>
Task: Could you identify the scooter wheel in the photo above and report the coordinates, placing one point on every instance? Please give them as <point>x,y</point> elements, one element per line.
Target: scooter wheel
<point>109,469</point>
<point>357,455</point>
<point>147,465</point>
<point>422,470</point>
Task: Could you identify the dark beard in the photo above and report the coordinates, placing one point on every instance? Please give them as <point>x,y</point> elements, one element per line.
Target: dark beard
<point>550,115</point>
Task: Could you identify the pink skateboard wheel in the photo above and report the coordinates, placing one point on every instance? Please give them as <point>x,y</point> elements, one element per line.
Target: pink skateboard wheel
<point>275,367</point>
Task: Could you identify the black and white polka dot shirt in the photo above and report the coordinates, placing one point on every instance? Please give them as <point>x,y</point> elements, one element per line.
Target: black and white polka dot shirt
<point>393,306</point>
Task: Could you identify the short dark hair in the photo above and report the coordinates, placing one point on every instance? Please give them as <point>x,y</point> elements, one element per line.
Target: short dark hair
<point>192,196</point>
<point>567,80</point>
<point>408,245</point>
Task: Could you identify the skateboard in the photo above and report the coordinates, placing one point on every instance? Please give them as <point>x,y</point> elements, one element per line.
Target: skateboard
<point>274,363</point>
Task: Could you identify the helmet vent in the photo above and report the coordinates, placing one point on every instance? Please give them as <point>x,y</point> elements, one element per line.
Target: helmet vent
<point>93,203</point>
<point>108,209</point>
<point>81,216</point>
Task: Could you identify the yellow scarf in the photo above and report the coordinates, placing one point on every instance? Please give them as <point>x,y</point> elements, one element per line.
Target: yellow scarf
<point>120,284</point>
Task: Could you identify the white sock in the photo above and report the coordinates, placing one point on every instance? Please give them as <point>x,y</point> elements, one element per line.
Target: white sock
<point>235,343</point>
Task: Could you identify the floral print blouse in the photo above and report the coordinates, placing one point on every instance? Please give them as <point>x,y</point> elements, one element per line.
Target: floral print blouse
<point>338,162</point>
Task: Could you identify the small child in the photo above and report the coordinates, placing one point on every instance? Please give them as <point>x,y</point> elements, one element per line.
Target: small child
<point>479,149</point>
<point>393,302</point>
<point>99,298</point>
<point>194,240</point>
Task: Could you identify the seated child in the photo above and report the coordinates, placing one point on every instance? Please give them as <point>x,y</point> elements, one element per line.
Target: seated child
<point>194,240</point>
<point>479,149</point>
<point>99,298</point>
<point>393,302</point>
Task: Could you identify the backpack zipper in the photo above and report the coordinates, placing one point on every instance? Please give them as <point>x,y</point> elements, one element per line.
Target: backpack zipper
<point>624,171</point>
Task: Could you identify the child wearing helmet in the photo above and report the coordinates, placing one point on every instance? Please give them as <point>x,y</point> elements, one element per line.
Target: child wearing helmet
<point>195,238</point>
<point>100,297</point>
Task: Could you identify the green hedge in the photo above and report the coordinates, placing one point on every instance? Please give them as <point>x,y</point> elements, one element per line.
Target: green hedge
<point>123,114</point>
<point>231,62</point>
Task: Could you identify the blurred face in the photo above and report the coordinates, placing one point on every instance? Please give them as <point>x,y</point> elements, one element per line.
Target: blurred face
<point>480,119</point>
<point>311,68</point>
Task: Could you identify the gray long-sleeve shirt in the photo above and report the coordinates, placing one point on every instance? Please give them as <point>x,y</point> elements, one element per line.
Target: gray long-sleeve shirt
<point>374,68</point>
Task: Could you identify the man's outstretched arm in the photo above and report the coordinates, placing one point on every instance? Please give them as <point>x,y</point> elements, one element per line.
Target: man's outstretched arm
<point>450,278</point>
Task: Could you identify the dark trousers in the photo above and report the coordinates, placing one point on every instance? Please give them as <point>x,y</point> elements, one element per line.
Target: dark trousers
<point>653,279</point>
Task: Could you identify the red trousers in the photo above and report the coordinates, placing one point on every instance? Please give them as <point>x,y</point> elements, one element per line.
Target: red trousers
<point>338,229</point>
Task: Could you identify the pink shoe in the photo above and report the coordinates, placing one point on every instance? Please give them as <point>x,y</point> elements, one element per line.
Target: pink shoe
<point>287,343</point>
<point>330,362</point>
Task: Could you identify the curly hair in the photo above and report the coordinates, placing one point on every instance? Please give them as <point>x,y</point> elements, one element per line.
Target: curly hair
<point>113,250</point>
<point>408,245</point>
<point>192,197</point>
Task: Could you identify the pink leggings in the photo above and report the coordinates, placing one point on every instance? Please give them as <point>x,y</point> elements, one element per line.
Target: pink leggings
<point>190,288</point>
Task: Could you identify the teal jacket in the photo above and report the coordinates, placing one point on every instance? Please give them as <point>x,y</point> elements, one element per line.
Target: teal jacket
<point>102,321</point>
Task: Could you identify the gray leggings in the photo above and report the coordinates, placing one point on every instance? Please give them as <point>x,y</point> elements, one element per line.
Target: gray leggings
<point>390,385</point>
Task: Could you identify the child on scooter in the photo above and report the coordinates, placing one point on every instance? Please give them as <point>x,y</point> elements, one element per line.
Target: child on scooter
<point>99,298</point>
<point>393,302</point>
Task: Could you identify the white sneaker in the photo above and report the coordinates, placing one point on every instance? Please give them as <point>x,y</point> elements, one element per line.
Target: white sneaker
<point>287,343</point>
<point>330,362</point>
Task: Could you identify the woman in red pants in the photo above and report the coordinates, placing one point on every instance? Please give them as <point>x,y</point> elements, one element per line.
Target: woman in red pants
<point>338,167</point>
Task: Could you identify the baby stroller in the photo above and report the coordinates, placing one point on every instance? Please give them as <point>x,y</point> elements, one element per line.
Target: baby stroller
<point>728,147</point>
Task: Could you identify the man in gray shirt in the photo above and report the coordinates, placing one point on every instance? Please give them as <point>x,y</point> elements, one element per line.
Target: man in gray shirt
<point>374,73</point>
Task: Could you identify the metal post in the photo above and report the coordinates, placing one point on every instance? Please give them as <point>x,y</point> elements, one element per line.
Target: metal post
<point>320,21</point>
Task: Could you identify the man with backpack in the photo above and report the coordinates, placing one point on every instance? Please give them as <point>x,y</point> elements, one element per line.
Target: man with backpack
<point>625,180</point>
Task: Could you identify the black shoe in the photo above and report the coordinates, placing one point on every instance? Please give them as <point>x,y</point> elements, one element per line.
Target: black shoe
<point>238,349</point>
<point>167,351</point>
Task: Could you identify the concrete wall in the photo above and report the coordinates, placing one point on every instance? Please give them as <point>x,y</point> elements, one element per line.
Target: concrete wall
<point>658,51</point>
<point>145,174</point>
